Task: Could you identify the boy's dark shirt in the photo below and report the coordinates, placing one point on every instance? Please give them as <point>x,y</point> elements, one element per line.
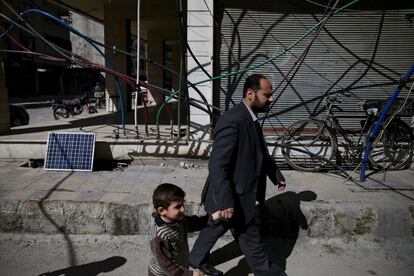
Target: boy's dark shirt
<point>169,245</point>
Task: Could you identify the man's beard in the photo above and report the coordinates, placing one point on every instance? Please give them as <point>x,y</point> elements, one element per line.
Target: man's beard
<point>263,109</point>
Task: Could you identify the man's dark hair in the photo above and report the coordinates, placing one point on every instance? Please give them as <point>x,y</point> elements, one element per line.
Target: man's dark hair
<point>252,82</point>
<point>165,194</point>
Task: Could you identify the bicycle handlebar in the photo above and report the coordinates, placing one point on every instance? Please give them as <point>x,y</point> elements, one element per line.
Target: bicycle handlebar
<point>337,97</point>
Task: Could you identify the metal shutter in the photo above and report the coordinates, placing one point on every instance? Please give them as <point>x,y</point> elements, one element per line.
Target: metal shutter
<point>257,30</point>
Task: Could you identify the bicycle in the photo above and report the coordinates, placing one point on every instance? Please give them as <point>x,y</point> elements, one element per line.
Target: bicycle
<point>311,144</point>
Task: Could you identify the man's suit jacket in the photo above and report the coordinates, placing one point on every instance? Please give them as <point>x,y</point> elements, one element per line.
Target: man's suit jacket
<point>238,165</point>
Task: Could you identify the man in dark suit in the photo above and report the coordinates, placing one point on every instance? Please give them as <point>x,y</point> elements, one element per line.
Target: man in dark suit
<point>238,166</point>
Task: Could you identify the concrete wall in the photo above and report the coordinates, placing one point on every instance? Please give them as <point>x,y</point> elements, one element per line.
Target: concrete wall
<point>200,39</point>
<point>92,29</point>
<point>46,27</point>
<point>156,36</point>
<point>159,26</point>
<point>115,34</point>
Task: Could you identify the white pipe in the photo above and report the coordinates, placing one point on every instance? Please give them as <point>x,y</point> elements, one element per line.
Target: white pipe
<point>138,56</point>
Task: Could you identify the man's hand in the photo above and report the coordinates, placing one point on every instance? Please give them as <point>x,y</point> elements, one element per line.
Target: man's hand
<point>281,186</point>
<point>227,213</point>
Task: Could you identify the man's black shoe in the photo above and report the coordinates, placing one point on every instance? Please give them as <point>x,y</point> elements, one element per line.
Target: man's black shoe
<point>208,269</point>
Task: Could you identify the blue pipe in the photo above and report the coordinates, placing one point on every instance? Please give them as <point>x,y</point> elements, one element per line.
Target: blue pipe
<point>374,132</point>
<point>6,31</point>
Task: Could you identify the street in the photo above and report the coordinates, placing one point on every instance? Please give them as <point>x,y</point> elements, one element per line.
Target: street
<point>30,254</point>
<point>43,116</point>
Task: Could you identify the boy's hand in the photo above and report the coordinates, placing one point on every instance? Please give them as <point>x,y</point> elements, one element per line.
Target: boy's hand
<point>281,186</point>
<point>223,214</point>
<point>197,273</point>
<point>216,215</point>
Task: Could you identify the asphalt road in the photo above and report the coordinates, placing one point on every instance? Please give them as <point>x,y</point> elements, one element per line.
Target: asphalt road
<point>39,115</point>
<point>43,116</point>
<point>129,255</point>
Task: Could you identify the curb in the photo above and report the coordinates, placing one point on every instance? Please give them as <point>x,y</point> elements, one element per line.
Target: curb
<point>34,104</point>
<point>324,219</point>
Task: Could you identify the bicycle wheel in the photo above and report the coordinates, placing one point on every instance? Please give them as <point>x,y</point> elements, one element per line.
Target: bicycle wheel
<point>393,150</point>
<point>60,111</point>
<point>307,144</point>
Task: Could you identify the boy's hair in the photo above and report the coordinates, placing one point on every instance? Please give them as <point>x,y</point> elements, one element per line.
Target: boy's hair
<point>165,194</point>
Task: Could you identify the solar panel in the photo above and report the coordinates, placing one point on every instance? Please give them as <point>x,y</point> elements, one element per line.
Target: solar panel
<point>69,151</point>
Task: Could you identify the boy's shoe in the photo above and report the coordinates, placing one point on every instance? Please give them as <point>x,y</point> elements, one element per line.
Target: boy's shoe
<point>208,269</point>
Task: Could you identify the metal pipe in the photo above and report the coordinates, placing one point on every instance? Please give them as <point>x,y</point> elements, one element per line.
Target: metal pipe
<point>137,71</point>
<point>374,132</point>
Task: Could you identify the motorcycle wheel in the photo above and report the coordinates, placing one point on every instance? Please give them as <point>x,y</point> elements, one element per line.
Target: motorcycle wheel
<point>92,109</point>
<point>77,110</point>
<point>60,111</point>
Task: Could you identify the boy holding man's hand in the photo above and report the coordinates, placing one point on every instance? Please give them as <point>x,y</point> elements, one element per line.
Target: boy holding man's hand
<point>169,245</point>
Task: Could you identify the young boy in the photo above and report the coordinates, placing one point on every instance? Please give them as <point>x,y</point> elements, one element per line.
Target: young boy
<point>169,245</point>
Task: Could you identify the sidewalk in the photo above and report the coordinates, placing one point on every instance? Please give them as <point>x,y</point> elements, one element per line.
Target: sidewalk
<point>119,202</point>
<point>40,101</point>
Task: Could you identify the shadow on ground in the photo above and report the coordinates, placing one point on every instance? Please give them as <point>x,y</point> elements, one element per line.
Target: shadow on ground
<point>90,269</point>
<point>279,220</point>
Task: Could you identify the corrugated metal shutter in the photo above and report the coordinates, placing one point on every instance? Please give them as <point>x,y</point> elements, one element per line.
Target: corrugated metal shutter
<point>257,30</point>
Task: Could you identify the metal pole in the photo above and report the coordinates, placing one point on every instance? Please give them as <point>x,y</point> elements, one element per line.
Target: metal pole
<point>374,132</point>
<point>137,71</point>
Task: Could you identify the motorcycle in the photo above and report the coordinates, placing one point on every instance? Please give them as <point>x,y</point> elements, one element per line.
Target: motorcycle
<point>63,108</point>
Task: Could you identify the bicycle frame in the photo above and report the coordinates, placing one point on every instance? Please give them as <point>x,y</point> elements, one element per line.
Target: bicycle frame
<point>328,128</point>
<point>317,141</point>
<point>352,149</point>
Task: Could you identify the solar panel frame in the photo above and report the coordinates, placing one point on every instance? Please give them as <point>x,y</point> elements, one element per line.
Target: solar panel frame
<point>69,151</point>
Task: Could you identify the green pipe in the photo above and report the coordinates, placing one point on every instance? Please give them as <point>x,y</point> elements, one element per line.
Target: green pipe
<point>281,53</point>
<point>163,104</point>
<point>260,64</point>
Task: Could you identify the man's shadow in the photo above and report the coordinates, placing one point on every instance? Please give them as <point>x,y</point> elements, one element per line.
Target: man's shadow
<point>279,220</point>
<point>90,269</point>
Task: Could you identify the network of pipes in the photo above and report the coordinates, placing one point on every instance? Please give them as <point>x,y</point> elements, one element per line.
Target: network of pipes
<point>226,80</point>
